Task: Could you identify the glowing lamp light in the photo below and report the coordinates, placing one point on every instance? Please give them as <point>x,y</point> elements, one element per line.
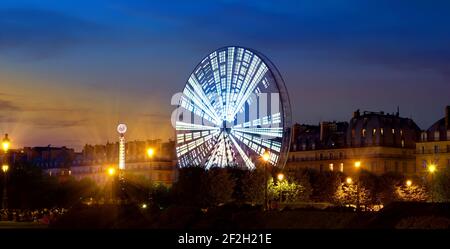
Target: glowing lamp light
<point>111,171</point>
<point>144,206</point>
<point>280,177</point>
<point>150,152</point>
<point>432,168</point>
<point>408,183</point>
<point>5,168</point>
<point>5,143</point>
<point>357,164</point>
<point>349,180</point>
<point>266,156</point>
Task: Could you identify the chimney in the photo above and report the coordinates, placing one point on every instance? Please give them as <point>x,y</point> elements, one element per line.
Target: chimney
<point>322,130</point>
<point>356,114</point>
<point>447,117</point>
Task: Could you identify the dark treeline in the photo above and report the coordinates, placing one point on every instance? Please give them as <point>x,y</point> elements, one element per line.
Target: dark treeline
<point>29,188</point>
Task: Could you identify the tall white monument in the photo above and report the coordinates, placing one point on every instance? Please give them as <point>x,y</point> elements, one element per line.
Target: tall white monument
<point>122,128</point>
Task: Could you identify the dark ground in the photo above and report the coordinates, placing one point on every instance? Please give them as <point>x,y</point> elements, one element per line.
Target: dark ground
<point>397,215</point>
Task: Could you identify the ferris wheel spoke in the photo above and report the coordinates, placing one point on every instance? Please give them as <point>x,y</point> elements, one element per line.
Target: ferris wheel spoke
<point>269,120</point>
<point>200,99</point>
<point>260,145</point>
<point>255,74</point>
<point>271,132</point>
<point>183,126</point>
<point>248,162</point>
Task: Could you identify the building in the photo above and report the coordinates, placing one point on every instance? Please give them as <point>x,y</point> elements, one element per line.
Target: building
<point>163,172</point>
<point>434,145</point>
<point>380,142</point>
<point>93,160</point>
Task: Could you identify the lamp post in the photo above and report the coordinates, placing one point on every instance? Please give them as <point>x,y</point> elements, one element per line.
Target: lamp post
<point>111,173</point>
<point>280,178</point>
<point>5,167</point>
<point>431,170</point>
<point>150,153</point>
<point>265,157</point>
<point>357,166</point>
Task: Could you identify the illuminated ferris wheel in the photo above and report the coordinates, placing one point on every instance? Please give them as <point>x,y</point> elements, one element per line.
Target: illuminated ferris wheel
<point>233,109</point>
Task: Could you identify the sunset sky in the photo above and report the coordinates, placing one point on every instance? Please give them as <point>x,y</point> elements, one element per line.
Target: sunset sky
<point>71,70</point>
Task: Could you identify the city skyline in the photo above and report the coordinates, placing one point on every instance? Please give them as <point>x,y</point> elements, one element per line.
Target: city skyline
<point>69,75</point>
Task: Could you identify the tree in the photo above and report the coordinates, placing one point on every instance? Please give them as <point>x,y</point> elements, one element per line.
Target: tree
<point>324,184</point>
<point>191,189</point>
<point>347,194</point>
<point>301,177</point>
<point>253,186</point>
<point>220,186</point>
<point>386,187</point>
<point>441,185</point>
<point>411,193</point>
<point>285,191</point>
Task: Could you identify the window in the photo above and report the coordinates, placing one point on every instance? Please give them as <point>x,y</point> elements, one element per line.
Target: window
<point>363,132</point>
<point>353,133</point>
<point>436,149</point>
<point>331,156</point>
<point>331,167</point>
<point>403,143</point>
<point>405,167</point>
<point>396,167</point>
<point>381,131</point>
<point>401,132</point>
<point>341,168</point>
<point>340,153</point>
<point>423,150</point>
<point>393,131</point>
<point>374,131</point>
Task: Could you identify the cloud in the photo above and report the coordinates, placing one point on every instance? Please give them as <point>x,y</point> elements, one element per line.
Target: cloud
<point>6,105</point>
<point>40,33</point>
<point>46,123</point>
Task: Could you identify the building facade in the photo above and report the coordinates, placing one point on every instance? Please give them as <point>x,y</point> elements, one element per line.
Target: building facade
<point>380,142</point>
<point>159,172</point>
<point>434,145</point>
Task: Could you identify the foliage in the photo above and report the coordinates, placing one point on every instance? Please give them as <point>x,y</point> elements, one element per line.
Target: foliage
<point>284,191</point>
<point>441,185</point>
<point>253,186</point>
<point>347,194</point>
<point>385,191</point>
<point>411,193</point>
<point>219,186</point>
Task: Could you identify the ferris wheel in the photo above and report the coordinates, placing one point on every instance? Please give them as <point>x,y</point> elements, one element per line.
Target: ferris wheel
<point>233,109</point>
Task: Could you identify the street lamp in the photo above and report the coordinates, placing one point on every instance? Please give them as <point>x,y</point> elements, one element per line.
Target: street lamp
<point>349,180</point>
<point>5,168</point>
<point>408,183</point>
<point>6,143</point>
<point>431,170</point>
<point>265,157</point>
<point>112,172</point>
<point>280,177</point>
<point>150,152</point>
<point>357,166</point>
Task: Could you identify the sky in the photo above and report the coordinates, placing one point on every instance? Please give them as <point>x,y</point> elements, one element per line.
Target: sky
<point>70,71</point>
